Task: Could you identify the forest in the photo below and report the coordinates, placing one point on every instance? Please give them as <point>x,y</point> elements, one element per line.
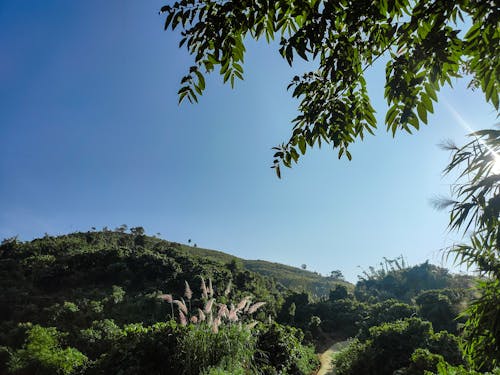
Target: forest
<point>119,301</point>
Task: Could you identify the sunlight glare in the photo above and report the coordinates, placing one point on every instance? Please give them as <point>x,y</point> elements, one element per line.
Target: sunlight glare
<point>495,169</point>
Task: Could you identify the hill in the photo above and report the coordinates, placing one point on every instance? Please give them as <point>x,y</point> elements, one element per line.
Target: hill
<point>112,302</point>
<point>92,266</point>
<point>294,278</point>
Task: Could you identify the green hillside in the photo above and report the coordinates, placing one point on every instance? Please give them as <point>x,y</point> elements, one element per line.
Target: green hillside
<point>293,278</point>
<point>110,302</point>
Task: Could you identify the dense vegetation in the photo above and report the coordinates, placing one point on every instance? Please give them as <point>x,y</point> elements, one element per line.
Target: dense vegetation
<point>114,302</point>
<point>87,301</point>
<point>293,278</point>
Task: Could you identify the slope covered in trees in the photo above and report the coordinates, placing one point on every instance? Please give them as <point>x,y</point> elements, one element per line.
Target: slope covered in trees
<point>114,302</point>
<point>292,277</point>
<point>95,303</point>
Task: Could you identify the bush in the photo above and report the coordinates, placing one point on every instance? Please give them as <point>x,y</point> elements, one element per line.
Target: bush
<point>444,368</point>
<point>142,350</point>
<point>436,307</point>
<point>42,354</point>
<point>230,349</point>
<point>422,360</point>
<point>99,338</point>
<point>394,346</point>
<point>281,351</point>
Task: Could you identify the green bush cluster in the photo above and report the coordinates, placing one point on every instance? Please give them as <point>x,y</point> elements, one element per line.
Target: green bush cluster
<point>407,346</point>
<point>42,354</point>
<point>164,348</point>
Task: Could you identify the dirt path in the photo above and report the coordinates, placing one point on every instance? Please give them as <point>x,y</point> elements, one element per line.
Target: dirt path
<point>326,358</point>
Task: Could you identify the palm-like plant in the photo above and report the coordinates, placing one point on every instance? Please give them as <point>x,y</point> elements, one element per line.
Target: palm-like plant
<point>475,210</point>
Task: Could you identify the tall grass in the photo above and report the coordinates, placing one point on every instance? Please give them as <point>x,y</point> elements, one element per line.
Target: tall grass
<point>230,349</point>
<point>217,337</point>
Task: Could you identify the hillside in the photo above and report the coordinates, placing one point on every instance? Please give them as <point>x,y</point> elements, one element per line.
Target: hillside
<point>293,278</point>
<point>93,265</point>
<point>108,302</point>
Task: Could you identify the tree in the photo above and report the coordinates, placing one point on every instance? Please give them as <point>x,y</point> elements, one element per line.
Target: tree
<point>427,42</point>
<point>437,308</point>
<point>337,275</point>
<point>122,228</point>
<point>475,209</point>
<point>339,292</point>
<point>137,231</point>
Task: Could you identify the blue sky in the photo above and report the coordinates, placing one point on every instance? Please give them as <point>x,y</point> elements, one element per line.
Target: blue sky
<point>91,135</point>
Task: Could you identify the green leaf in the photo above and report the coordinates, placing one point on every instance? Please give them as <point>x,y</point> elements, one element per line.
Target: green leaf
<point>277,170</point>
<point>391,115</point>
<point>422,113</point>
<point>302,145</point>
<point>431,91</point>
<point>201,80</point>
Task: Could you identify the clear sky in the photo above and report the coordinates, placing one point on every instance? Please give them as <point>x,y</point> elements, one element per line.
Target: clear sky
<point>91,136</point>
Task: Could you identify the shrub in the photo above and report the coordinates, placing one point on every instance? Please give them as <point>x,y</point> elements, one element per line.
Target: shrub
<point>444,368</point>
<point>281,351</point>
<point>229,349</point>
<point>99,338</point>
<point>422,361</point>
<point>393,346</point>
<point>436,307</point>
<point>42,354</point>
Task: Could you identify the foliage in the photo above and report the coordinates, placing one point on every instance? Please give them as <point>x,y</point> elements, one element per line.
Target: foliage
<point>389,347</point>
<point>341,318</point>
<point>427,44</point>
<point>384,312</point>
<point>105,295</point>
<point>99,294</point>
<point>293,278</point>
<point>440,307</point>
<point>337,275</point>
<point>444,368</point>
<point>142,350</point>
<point>231,348</point>
<point>281,352</point>
<point>476,206</point>
<point>42,354</point>
<point>405,283</point>
<point>99,337</point>
<point>339,292</point>
<point>170,348</point>
<point>482,330</point>
<point>72,280</point>
<point>421,360</point>
<point>296,279</point>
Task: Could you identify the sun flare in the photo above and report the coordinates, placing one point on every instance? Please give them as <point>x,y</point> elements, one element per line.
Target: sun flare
<point>495,169</point>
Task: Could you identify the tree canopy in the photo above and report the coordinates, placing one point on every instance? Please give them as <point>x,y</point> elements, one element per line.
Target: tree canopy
<point>428,43</point>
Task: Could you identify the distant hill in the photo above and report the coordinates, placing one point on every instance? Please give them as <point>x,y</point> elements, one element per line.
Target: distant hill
<point>93,269</point>
<point>291,277</point>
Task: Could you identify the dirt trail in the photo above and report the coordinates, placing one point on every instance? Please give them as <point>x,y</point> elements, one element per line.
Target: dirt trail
<point>326,358</point>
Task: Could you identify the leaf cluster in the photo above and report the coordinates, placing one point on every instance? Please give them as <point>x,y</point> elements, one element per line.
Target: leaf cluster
<point>427,44</point>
